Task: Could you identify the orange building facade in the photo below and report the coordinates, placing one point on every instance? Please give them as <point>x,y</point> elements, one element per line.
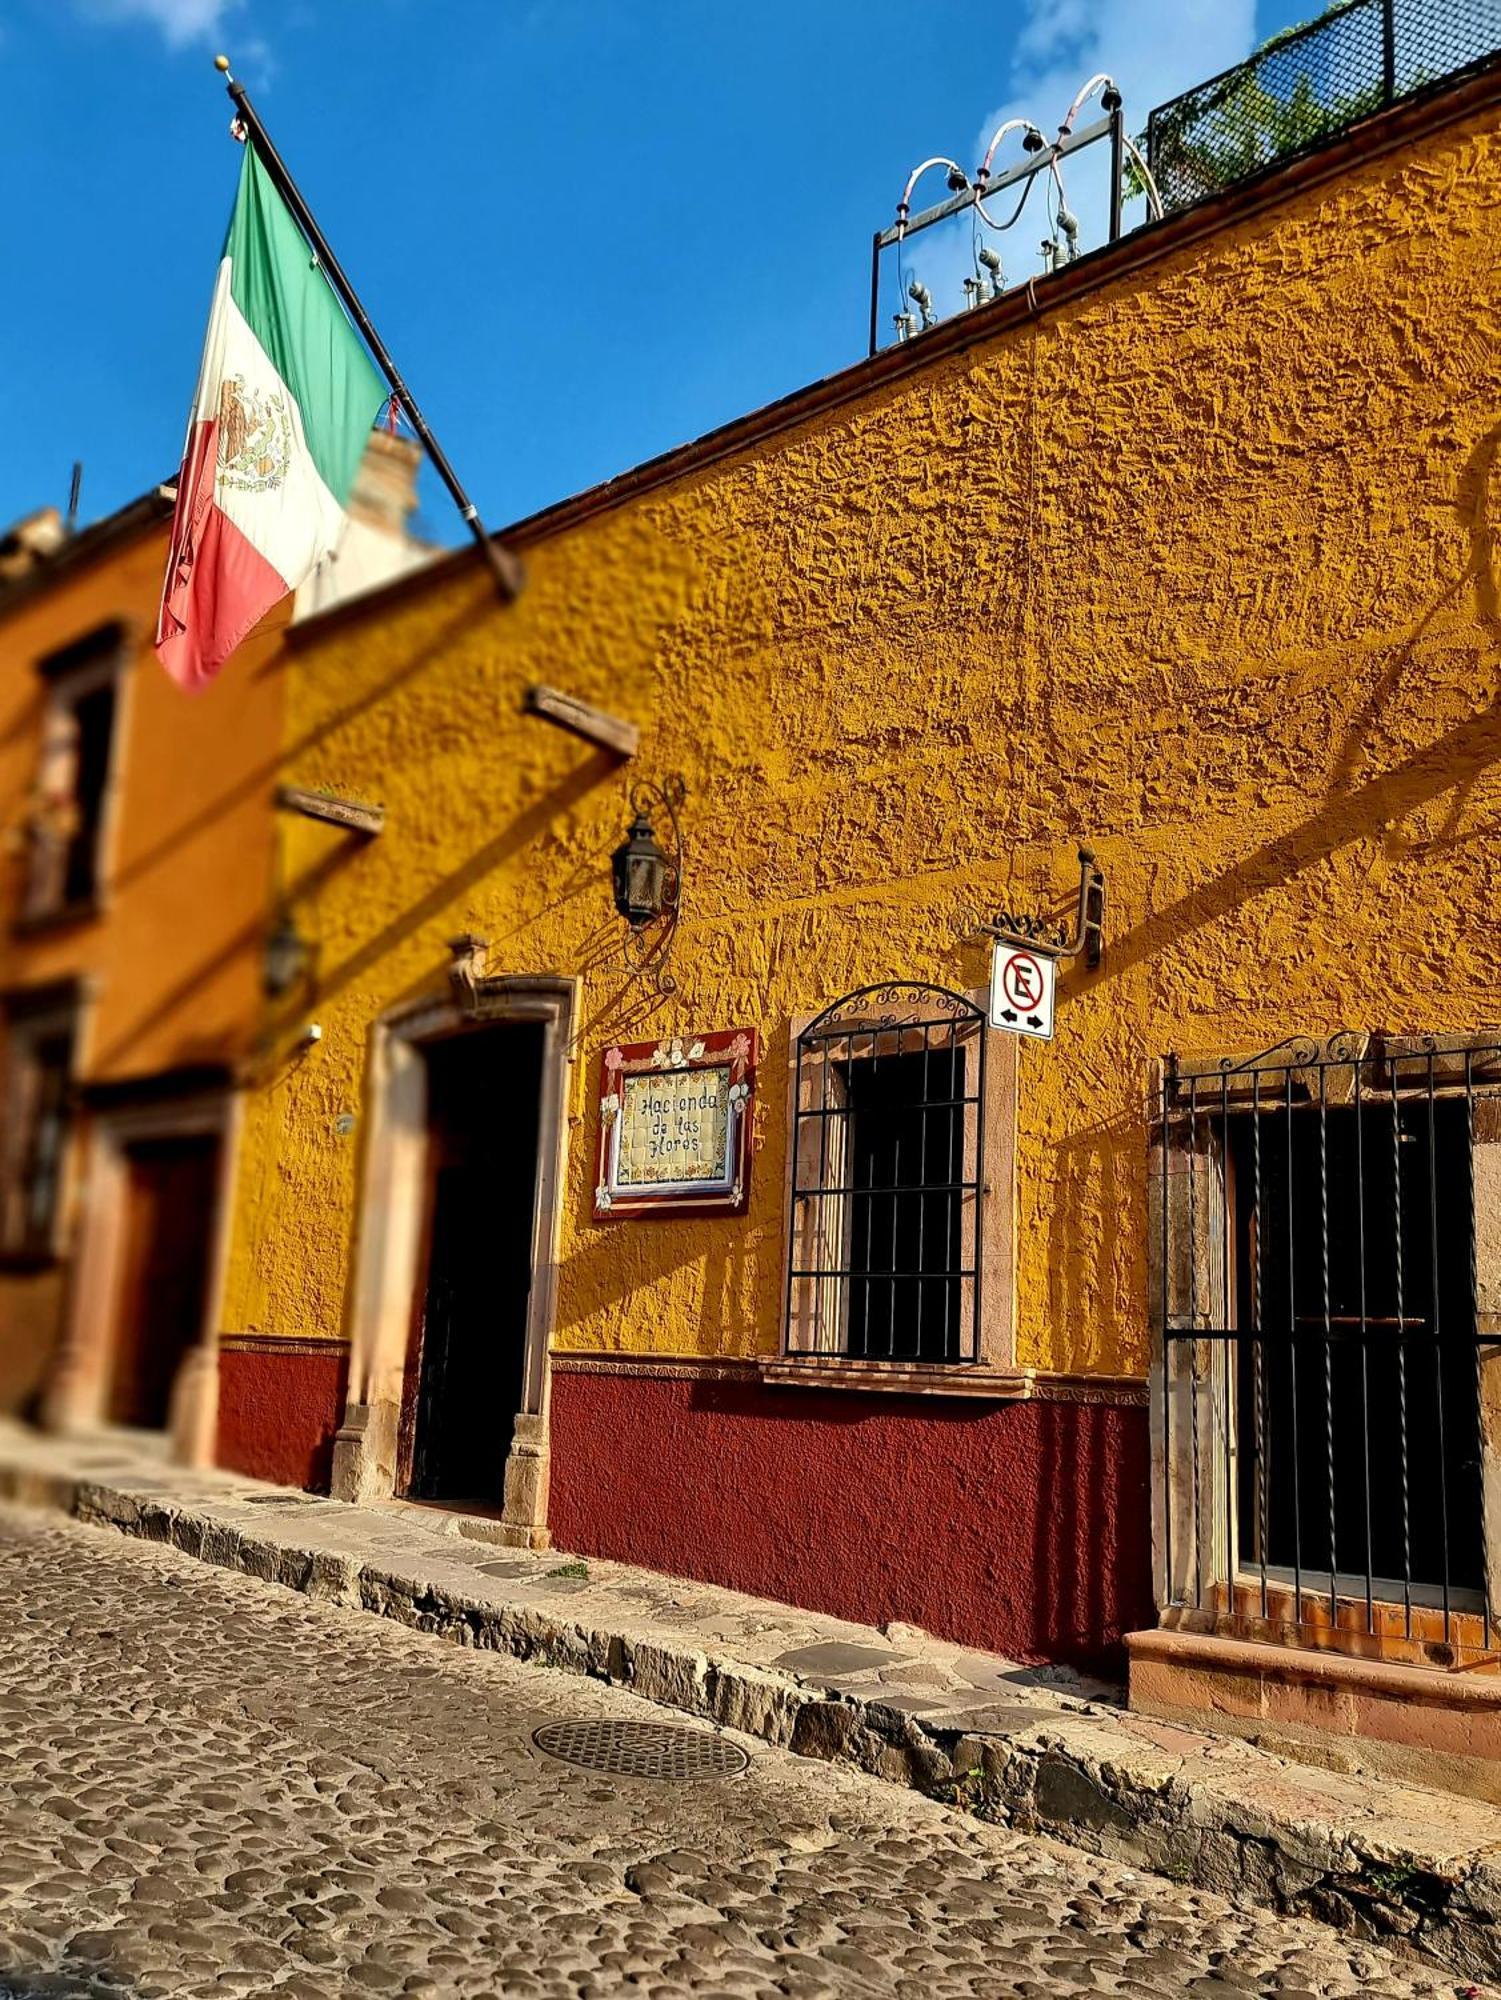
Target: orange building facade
<point>139,854</point>
<point>138,892</point>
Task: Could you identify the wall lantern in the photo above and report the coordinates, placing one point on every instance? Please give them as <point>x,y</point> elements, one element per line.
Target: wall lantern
<point>286,956</point>
<point>647,879</point>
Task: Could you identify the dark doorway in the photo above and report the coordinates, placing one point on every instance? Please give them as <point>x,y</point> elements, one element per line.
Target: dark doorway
<point>171,1196</point>
<point>468,1355</point>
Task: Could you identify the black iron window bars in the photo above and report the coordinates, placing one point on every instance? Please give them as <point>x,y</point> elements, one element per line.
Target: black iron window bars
<point>887,1176</point>
<point>1325,1217</point>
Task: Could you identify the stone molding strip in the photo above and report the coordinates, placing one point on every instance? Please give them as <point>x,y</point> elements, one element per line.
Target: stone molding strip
<point>1018,1385</point>
<point>665,1367</point>
<point>281,1343</point>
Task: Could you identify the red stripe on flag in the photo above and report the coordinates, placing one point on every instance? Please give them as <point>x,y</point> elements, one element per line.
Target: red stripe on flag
<point>218,584</point>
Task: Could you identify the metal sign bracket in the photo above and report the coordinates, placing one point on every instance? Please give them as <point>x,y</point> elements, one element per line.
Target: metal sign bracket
<point>1038,935</point>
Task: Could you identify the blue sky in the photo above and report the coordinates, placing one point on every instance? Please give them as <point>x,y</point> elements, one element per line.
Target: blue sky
<point>588,229</point>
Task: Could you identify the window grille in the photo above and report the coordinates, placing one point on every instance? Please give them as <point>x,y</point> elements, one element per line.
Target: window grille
<point>72,781</point>
<point>1323,1260</point>
<point>1309,83</point>
<point>37,1081</point>
<point>887,1178</point>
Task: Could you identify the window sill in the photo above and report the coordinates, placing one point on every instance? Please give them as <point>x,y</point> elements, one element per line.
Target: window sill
<point>32,923</point>
<point>22,1261</point>
<point>917,1378</point>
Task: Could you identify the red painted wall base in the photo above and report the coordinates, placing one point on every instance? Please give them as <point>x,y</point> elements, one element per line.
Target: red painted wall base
<point>1020,1528</point>
<point>278,1411</point>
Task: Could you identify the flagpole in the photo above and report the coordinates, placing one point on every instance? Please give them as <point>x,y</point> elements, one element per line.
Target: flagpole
<point>504,567</point>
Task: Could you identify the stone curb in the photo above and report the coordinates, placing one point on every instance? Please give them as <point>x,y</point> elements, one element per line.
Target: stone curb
<point>1383,1861</point>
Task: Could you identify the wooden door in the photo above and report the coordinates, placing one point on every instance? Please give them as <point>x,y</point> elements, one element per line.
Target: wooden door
<point>171,1193</point>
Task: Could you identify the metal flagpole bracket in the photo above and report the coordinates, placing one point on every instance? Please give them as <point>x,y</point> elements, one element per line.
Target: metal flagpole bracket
<point>1038,935</point>
<point>504,567</point>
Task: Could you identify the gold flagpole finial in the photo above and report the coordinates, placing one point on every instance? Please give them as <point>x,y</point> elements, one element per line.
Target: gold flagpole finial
<point>222,63</point>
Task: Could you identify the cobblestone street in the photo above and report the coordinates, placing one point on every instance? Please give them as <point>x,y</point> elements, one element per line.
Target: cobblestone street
<point>213,1786</point>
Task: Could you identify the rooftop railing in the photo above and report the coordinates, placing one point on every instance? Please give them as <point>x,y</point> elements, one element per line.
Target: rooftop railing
<point>1310,83</point>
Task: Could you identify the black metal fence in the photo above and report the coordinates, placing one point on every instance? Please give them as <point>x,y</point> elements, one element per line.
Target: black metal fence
<point>888,1165</point>
<point>1327,1220</point>
<point>1309,83</point>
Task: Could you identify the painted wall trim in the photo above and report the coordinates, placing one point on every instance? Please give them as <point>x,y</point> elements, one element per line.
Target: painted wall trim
<point>282,1343</point>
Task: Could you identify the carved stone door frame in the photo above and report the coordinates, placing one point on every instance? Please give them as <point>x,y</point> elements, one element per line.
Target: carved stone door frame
<point>77,1392</point>
<point>388,1240</point>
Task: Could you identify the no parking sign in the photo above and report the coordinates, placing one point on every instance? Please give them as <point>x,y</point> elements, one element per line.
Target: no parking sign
<point>1022,985</point>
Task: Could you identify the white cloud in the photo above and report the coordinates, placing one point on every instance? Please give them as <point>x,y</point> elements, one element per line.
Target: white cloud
<point>1152,48</point>
<point>180,21</point>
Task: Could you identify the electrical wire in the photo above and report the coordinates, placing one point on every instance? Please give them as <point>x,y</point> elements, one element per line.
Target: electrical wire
<point>1155,210</point>
<point>1015,215</point>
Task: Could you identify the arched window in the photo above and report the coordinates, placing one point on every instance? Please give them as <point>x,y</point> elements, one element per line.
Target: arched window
<point>888,1171</point>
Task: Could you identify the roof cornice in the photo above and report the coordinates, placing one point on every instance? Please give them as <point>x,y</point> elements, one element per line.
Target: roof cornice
<point>1448,103</point>
<point>98,539</point>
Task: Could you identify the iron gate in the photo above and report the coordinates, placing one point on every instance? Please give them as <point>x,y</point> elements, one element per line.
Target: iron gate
<point>1327,1217</point>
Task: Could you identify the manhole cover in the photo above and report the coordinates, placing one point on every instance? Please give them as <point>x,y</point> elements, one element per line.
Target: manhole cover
<point>642,1750</point>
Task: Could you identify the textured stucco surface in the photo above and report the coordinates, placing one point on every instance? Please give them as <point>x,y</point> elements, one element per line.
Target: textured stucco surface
<point>278,1413</point>
<point>1201,568</point>
<point>1017,1528</point>
<point>171,961</point>
<point>174,955</point>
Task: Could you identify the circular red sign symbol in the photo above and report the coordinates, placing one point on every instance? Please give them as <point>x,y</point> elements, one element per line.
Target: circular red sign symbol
<point>1022,981</point>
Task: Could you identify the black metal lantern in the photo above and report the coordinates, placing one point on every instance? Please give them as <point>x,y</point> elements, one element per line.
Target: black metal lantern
<point>286,955</point>
<point>648,880</point>
<point>640,871</point>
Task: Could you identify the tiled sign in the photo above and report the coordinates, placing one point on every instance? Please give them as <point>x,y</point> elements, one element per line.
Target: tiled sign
<point>674,1124</point>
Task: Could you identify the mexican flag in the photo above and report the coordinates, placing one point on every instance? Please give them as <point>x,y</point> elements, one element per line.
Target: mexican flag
<point>286,399</point>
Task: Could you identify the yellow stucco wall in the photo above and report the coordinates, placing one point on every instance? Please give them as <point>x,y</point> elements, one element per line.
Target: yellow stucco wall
<point>1202,568</point>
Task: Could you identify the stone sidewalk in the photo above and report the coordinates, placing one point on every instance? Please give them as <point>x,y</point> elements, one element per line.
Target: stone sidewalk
<point>1033,1749</point>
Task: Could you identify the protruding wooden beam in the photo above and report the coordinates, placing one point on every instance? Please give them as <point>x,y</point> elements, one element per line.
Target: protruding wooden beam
<point>595,725</point>
<point>350,813</point>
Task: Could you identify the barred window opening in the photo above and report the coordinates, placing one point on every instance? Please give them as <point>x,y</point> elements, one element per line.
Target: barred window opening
<point>887,1179</point>
<point>35,1082</point>
<point>1327,1263</point>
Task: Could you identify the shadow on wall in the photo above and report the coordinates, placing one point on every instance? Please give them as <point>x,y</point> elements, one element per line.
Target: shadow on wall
<point>1093,1206</point>
<point>1350,812</point>
<point>511,840</point>
<point>1472,503</point>
<point>1019,1528</point>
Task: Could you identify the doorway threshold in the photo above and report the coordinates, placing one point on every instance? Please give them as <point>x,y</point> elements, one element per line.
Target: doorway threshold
<point>474,1520</point>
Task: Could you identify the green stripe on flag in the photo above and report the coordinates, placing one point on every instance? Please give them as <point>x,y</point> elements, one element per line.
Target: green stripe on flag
<point>291,308</point>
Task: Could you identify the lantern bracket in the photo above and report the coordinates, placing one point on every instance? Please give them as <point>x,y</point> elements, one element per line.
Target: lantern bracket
<point>648,945</point>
